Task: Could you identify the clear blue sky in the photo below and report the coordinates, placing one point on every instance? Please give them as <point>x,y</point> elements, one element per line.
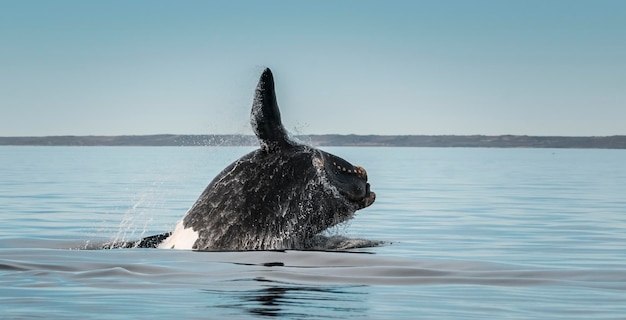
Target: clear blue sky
<point>363,67</point>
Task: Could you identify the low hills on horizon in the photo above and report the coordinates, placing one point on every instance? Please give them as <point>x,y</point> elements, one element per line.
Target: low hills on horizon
<point>466,141</point>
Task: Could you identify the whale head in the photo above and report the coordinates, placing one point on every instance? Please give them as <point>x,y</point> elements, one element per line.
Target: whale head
<point>350,180</point>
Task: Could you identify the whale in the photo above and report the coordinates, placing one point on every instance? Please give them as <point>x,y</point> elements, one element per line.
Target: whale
<point>280,196</point>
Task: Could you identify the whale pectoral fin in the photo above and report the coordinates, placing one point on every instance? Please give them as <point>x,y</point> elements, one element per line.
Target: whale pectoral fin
<point>265,115</point>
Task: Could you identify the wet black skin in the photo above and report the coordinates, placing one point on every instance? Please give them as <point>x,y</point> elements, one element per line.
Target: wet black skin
<point>277,197</point>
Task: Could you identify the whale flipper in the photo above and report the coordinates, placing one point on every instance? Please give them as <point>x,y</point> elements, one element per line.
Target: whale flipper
<point>265,115</point>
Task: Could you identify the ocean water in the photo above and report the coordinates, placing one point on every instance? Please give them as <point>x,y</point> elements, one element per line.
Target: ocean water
<point>471,234</point>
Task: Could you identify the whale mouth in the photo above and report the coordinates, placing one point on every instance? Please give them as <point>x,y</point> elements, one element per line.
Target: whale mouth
<point>362,200</point>
<point>369,198</point>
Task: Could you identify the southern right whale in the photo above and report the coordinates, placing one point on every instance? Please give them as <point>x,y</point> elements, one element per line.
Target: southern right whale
<point>280,196</point>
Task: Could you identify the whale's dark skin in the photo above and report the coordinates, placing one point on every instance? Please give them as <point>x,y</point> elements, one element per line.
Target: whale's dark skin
<point>279,196</point>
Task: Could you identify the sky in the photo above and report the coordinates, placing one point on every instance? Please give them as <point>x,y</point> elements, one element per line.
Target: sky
<point>444,67</point>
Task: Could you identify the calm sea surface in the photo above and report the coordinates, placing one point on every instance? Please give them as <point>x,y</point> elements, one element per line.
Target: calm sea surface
<point>472,233</point>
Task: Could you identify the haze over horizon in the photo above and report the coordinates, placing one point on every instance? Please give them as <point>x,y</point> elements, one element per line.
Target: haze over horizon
<point>551,68</point>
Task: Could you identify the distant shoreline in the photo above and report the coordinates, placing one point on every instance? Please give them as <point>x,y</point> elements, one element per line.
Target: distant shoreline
<point>442,141</point>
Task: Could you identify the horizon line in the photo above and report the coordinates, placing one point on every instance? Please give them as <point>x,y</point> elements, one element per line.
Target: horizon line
<point>316,134</point>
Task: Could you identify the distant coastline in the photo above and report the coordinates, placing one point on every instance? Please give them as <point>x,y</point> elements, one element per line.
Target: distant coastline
<point>469,141</point>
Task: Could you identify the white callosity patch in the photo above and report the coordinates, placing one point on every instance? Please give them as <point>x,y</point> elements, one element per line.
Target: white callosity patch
<point>182,238</point>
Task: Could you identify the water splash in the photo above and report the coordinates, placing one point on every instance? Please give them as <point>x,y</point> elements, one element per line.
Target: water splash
<point>130,227</point>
